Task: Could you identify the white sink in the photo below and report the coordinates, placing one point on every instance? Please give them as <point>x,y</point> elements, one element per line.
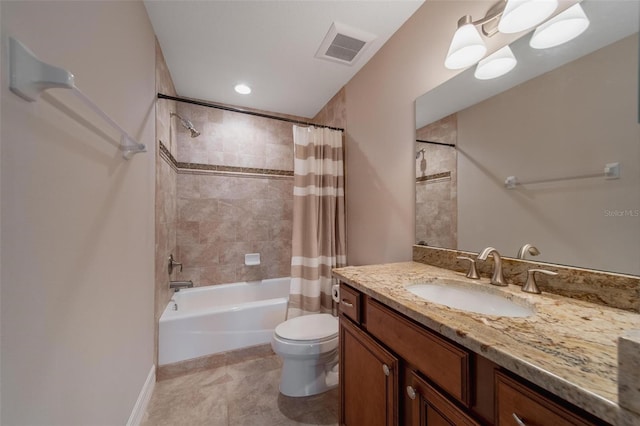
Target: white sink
<point>480,301</point>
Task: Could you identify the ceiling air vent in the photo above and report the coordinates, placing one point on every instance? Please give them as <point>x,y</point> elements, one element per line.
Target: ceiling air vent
<point>344,44</point>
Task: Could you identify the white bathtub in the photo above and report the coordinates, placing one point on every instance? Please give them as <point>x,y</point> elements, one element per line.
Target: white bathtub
<point>221,318</point>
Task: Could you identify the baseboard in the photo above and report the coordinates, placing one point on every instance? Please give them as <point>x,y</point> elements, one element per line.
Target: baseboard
<point>139,410</point>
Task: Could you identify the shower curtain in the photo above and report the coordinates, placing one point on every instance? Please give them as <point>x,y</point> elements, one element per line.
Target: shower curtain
<point>318,218</point>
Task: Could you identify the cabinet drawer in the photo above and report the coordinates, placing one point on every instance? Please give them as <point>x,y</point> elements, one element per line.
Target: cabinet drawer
<point>441,361</point>
<point>350,303</point>
<point>532,408</point>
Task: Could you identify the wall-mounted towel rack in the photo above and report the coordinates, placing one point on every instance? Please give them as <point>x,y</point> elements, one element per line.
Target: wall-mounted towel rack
<point>29,77</point>
<point>611,171</point>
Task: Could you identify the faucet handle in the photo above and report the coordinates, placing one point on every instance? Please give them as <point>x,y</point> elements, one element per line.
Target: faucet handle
<point>473,272</point>
<point>173,264</point>
<point>528,248</point>
<point>531,286</point>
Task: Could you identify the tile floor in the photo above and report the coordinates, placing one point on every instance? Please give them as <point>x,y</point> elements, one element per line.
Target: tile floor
<point>241,394</point>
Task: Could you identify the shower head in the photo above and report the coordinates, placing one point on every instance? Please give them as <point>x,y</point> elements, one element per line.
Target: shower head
<point>187,125</point>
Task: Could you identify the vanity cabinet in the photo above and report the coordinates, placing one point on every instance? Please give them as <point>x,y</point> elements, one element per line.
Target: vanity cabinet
<point>368,380</point>
<point>395,371</point>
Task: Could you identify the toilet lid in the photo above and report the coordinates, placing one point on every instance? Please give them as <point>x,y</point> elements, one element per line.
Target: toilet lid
<point>309,327</point>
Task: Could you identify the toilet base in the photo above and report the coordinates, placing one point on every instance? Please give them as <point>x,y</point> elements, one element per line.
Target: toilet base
<point>305,377</point>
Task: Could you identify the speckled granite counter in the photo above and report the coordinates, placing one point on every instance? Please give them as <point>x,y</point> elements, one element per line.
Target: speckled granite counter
<point>568,347</point>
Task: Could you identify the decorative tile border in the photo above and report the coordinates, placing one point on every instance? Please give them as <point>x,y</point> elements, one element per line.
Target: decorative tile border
<point>605,288</point>
<point>166,155</point>
<point>198,167</point>
<point>435,176</point>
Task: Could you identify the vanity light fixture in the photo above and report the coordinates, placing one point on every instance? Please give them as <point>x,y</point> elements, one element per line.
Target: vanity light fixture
<point>497,64</point>
<point>561,28</point>
<point>467,46</point>
<point>243,89</point>
<point>520,15</point>
<point>508,16</point>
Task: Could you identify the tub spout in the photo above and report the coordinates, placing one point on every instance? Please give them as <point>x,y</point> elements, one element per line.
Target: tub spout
<point>177,285</point>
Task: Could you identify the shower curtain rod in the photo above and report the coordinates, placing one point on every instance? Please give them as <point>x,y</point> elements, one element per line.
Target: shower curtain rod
<point>437,143</point>
<point>241,111</point>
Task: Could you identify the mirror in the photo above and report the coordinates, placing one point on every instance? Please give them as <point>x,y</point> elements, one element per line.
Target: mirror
<point>551,125</point>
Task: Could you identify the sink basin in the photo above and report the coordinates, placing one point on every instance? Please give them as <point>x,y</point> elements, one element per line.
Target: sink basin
<point>472,300</point>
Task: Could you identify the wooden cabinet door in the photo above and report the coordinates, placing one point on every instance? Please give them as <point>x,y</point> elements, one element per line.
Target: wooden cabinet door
<point>368,380</point>
<point>431,408</point>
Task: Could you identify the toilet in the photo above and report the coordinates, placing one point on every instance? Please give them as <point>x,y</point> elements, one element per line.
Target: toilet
<point>308,346</point>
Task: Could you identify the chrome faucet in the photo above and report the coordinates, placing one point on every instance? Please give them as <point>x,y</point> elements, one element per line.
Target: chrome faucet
<point>177,285</point>
<point>528,248</point>
<point>497,278</point>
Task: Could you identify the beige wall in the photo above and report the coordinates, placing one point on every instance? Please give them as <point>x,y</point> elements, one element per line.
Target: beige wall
<point>77,219</point>
<point>166,211</point>
<point>380,99</point>
<point>568,122</point>
<point>334,113</point>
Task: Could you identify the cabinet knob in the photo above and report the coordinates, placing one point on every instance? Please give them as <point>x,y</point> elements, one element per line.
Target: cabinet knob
<point>518,420</point>
<point>386,370</point>
<point>411,392</point>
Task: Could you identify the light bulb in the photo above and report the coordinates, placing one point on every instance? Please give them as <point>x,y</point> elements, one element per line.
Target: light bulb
<point>560,29</point>
<point>520,15</point>
<point>467,46</point>
<point>497,64</point>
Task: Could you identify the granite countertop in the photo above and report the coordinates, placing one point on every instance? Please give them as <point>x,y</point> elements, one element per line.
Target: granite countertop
<point>568,347</point>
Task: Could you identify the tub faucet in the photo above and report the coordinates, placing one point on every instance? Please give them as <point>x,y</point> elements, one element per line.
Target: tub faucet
<point>173,263</point>
<point>497,278</point>
<point>177,285</point>
<point>528,248</point>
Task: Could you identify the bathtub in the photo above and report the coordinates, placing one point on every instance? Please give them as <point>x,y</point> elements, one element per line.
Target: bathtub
<point>220,318</point>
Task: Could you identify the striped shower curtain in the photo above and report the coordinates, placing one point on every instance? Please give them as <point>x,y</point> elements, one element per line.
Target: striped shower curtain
<point>318,218</point>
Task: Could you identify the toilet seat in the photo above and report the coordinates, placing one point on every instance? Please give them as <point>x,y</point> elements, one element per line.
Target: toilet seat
<point>308,329</point>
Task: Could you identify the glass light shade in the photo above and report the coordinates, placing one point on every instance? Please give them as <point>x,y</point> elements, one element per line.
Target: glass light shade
<point>467,47</point>
<point>497,64</point>
<point>560,29</point>
<point>520,15</point>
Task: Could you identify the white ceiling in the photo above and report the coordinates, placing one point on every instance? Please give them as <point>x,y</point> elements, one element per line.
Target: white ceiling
<point>210,46</point>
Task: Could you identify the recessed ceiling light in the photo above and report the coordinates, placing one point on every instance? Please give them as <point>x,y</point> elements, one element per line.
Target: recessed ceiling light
<point>243,89</point>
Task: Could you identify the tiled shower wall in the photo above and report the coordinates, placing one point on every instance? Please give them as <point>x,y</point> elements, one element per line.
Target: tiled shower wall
<point>221,218</point>
<point>436,185</point>
<point>247,207</point>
